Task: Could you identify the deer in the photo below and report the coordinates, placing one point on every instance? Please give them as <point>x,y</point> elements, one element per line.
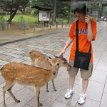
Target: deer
<point>25,74</point>
<point>41,60</point>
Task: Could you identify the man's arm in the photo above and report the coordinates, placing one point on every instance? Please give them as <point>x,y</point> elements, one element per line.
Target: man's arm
<point>90,34</point>
<point>66,46</point>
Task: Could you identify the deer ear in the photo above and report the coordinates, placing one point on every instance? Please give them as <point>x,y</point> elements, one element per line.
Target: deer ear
<point>49,57</point>
<point>50,60</point>
<point>56,56</point>
<point>31,52</point>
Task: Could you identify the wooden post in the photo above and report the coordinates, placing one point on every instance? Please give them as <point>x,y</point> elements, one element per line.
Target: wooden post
<point>62,24</point>
<point>56,25</point>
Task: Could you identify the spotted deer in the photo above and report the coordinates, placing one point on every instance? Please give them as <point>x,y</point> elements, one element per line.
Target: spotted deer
<point>29,75</point>
<point>41,60</point>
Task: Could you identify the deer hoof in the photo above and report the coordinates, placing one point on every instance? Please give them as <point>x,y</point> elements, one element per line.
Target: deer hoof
<point>55,90</point>
<point>18,101</point>
<point>40,104</point>
<point>47,90</point>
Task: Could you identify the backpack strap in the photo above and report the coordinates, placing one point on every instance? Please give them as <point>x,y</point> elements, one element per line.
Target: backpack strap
<point>77,48</point>
<point>77,44</point>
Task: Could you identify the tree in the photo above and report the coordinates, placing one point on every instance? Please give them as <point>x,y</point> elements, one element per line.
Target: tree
<point>60,8</point>
<point>12,6</point>
<point>105,11</point>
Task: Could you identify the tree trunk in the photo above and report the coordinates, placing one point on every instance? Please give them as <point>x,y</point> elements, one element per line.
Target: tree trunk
<point>12,15</point>
<point>54,13</point>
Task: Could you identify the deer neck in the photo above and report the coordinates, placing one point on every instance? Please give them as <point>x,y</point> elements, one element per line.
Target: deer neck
<point>49,75</point>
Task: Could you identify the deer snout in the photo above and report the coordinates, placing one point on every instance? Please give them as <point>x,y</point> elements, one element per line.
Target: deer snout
<point>54,73</point>
<point>67,64</point>
<point>64,62</point>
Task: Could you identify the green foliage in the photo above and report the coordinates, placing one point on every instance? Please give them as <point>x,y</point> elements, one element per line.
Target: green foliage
<point>12,6</point>
<point>2,23</point>
<point>7,5</point>
<point>63,9</point>
<point>28,10</point>
<point>34,12</point>
<point>31,19</point>
<point>27,18</point>
<point>105,11</point>
<point>23,23</point>
<point>2,20</point>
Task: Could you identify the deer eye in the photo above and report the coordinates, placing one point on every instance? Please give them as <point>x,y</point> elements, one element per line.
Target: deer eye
<point>58,64</point>
<point>54,73</point>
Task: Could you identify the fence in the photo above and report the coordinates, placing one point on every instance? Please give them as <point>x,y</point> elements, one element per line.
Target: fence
<point>24,27</point>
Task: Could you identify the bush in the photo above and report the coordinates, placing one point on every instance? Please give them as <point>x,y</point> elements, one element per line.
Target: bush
<point>34,12</point>
<point>28,10</point>
<point>3,23</point>
<point>23,23</point>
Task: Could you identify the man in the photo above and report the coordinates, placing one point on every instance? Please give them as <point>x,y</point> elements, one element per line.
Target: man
<point>86,34</point>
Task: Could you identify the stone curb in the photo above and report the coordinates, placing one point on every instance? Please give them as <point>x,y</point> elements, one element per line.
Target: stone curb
<point>26,38</point>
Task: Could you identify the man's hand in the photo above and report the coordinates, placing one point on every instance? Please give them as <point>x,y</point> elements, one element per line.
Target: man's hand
<point>62,52</point>
<point>87,19</point>
<point>65,47</point>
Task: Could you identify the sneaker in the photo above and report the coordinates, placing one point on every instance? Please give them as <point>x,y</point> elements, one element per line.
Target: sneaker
<point>69,93</point>
<point>82,99</point>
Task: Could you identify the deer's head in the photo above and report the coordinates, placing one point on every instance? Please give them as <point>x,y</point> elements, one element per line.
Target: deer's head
<point>57,62</point>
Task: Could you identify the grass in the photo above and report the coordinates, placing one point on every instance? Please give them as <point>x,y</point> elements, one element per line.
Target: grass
<point>30,19</point>
<point>62,20</point>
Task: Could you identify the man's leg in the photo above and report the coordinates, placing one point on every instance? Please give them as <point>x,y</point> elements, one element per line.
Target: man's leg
<point>70,91</point>
<point>71,82</point>
<point>72,73</point>
<point>83,94</point>
<point>85,74</point>
<point>84,85</point>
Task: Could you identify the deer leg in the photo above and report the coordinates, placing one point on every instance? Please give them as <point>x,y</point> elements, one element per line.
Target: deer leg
<point>16,100</point>
<point>40,104</point>
<point>53,85</point>
<point>5,88</point>
<point>37,96</point>
<point>47,87</point>
<point>4,102</point>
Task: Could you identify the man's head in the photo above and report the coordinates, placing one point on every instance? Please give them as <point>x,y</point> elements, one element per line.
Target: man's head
<point>80,10</point>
